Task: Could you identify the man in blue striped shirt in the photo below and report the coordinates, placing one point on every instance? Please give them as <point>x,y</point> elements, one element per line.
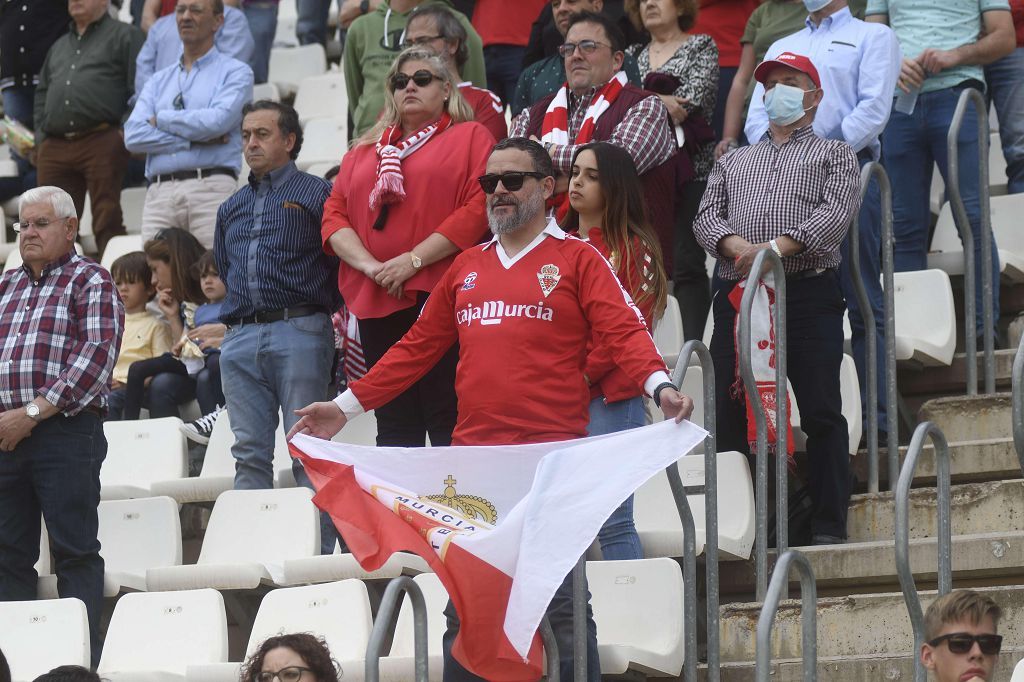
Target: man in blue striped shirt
<point>282,288</point>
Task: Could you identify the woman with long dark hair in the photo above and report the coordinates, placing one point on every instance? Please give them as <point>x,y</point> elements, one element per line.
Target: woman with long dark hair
<point>607,207</point>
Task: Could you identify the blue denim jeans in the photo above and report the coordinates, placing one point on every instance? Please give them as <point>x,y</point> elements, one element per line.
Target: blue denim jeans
<point>1005,79</point>
<point>870,271</point>
<point>55,471</point>
<point>262,17</point>
<point>311,24</point>
<point>911,145</point>
<point>559,615</point>
<point>267,369</point>
<point>618,536</point>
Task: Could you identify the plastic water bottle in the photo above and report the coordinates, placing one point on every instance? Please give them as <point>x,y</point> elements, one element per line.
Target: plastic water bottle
<point>906,101</point>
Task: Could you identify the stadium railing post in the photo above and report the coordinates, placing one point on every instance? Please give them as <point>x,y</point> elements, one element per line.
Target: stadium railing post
<point>1018,404</point>
<point>384,627</point>
<point>808,616</point>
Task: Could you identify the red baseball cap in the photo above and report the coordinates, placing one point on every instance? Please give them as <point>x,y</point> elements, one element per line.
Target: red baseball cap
<point>793,61</point>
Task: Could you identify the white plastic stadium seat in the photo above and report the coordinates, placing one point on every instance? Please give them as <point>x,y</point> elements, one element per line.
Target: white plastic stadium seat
<point>37,636</point>
<point>265,91</point>
<point>155,636</point>
<point>657,521</point>
<point>324,141</point>
<point>1018,672</point>
<point>947,253</point>
<point>338,566</point>
<point>14,257</point>
<point>250,533</point>
<point>339,612</point>
<point>638,609</point>
<point>217,474</point>
<point>118,246</point>
<point>133,199</point>
<point>925,318</point>
<point>139,453</point>
<point>668,332</point>
<point>288,66</point>
<point>322,96</point>
<point>399,665</point>
<point>136,535</point>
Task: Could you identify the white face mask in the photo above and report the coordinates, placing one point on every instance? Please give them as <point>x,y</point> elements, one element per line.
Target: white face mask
<point>815,5</point>
<point>785,104</point>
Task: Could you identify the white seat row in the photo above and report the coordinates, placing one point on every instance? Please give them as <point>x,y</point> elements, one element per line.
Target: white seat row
<point>322,96</point>
<point>289,65</point>
<point>324,141</point>
<point>947,253</point>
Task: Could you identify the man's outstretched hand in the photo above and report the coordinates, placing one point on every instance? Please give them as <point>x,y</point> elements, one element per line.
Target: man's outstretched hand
<point>675,405</point>
<point>320,420</point>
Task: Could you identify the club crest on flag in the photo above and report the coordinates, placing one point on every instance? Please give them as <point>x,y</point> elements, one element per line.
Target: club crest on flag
<point>548,277</point>
<point>471,506</point>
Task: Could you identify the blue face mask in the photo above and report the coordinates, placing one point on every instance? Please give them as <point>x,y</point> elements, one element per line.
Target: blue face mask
<point>815,5</point>
<point>785,104</point>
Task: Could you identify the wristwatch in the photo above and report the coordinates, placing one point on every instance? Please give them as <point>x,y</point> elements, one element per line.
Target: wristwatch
<point>32,410</point>
<point>417,262</point>
<point>657,391</point>
<point>364,7</point>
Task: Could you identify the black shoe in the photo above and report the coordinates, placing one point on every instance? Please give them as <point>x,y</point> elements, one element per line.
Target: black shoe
<point>821,539</point>
<point>199,430</point>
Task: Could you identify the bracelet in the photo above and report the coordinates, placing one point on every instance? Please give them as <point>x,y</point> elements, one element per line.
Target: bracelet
<point>775,247</point>
<point>657,391</point>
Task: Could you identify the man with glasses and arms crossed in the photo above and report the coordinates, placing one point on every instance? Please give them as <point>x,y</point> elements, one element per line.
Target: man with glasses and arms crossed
<point>961,644</point>
<point>61,319</point>
<point>521,308</point>
<point>188,122</point>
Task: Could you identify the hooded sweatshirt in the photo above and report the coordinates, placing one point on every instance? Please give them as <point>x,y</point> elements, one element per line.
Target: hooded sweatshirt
<point>371,45</point>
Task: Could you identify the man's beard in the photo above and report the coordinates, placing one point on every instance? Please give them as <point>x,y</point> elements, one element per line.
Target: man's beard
<point>524,212</point>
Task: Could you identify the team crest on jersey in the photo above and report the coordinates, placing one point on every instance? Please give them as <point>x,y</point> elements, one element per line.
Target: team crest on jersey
<point>469,282</point>
<point>548,278</point>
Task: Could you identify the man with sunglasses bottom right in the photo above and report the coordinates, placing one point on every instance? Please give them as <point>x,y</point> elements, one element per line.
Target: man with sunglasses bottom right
<point>961,644</point>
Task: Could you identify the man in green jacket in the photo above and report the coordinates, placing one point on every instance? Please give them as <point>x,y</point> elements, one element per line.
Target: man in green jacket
<point>373,42</point>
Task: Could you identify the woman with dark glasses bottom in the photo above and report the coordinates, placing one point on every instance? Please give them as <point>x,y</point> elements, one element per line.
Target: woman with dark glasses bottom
<point>297,657</point>
<point>961,644</point>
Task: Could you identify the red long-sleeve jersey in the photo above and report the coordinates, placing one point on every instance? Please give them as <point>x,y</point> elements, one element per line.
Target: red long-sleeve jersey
<point>522,328</point>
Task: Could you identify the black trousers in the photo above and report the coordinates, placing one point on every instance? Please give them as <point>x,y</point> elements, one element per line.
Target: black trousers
<point>690,283</point>
<point>429,407</point>
<point>814,336</point>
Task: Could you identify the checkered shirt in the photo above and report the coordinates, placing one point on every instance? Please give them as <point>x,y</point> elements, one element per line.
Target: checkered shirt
<point>807,188</point>
<point>60,335</point>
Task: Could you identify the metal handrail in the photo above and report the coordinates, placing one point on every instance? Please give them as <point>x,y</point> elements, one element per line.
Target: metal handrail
<point>710,512</point>
<point>384,627</point>
<point>874,169</point>
<point>579,620</point>
<point>1018,404</point>
<point>956,202</point>
<point>945,571</point>
<point>781,415</point>
<point>808,616</point>
<point>547,636</point>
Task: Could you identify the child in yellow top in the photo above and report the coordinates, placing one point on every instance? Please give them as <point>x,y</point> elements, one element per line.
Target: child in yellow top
<point>145,335</point>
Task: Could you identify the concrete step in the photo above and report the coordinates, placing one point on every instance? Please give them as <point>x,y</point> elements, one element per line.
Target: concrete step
<point>854,626</point>
<point>871,566</point>
<point>953,379</point>
<point>853,668</point>
<point>968,418</point>
<point>992,459</point>
<point>976,508</point>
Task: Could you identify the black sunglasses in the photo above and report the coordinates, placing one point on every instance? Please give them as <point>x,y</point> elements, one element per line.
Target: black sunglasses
<point>421,78</point>
<point>962,643</point>
<point>513,180</point>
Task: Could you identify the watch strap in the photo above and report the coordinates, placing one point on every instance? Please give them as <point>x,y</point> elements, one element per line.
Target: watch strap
<point>658,389</point>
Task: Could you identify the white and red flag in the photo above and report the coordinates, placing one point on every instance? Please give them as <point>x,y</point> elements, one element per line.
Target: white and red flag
<point>500,525</point>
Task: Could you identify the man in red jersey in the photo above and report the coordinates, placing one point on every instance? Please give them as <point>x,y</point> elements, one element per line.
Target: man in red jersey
<point>521,308</point>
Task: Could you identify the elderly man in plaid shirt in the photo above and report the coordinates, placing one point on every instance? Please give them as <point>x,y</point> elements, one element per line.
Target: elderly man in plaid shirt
<point>61,321</point>
<point>795,193</point>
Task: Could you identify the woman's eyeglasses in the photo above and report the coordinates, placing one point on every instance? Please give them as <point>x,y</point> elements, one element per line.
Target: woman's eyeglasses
<point>513,180</point>
<point>962,643</point>
<point>422,78</point>
<point>290,674</point>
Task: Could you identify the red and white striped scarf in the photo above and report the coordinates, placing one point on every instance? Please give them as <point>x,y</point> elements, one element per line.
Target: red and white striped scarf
<point>391,149</point>
<point>555,127</point>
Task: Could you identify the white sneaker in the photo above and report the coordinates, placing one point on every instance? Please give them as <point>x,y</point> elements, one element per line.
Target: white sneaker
<point>200,429</point>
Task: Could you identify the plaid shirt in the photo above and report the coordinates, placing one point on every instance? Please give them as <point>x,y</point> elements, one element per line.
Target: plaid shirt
<point>807,188</point>
<point>643,132</point>
<point>61,335</point>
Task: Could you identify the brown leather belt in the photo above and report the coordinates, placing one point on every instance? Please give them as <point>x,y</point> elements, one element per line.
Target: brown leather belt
<point>79,134</point>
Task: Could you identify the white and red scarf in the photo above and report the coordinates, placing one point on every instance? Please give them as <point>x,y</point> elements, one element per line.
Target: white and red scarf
<point>555,127</point>
<point>762,362</point>
<point>391,149</point>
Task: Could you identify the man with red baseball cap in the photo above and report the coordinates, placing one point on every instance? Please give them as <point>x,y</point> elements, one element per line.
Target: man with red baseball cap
<point>793,192</point>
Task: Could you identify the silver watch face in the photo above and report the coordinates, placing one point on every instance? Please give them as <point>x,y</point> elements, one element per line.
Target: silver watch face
<point>32,409</point>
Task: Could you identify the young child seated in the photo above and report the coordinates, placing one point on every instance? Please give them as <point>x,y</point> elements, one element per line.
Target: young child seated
<point>207,317</point>
<point>145,335</point>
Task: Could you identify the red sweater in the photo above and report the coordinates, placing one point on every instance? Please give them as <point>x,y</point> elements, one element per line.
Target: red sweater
<point>606,377</point>
<point>487,109</point>
<point>442,195</point>
<point>506,22</point>
<point>725,20</point>
<point>522,335</point>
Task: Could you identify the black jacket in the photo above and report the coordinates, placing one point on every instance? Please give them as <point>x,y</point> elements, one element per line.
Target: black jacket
<point>27,30</point>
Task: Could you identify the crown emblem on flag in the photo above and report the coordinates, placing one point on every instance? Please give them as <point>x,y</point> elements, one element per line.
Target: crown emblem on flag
<point>548,278</point>
<point>472,506</point>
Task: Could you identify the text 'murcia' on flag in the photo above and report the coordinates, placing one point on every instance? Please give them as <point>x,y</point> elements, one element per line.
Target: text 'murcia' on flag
<point>500,525</point>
